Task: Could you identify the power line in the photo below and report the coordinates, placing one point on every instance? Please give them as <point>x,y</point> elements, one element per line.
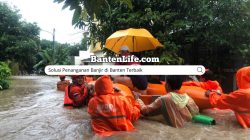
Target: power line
<point>47,31</point>
<point>80,32</point>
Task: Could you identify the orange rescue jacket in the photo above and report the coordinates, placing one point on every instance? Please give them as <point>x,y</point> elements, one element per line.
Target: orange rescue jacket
<point>111,112</point>
<point>77,94</point>
<point>239,100</point>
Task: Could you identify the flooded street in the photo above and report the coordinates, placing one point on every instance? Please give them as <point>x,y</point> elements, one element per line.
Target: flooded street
<point>33,109</point>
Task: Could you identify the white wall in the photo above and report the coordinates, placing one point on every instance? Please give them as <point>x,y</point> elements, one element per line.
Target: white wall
<point>82,55</point>
<point>77,60</point>
<point>86,54</point>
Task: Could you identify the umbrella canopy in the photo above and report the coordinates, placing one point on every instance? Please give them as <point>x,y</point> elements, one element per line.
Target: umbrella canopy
<point>137,40</point>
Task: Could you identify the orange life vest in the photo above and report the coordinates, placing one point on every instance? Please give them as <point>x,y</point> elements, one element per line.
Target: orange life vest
<point>239,100</point>
<point>111,112</point>
<point>67,100</point>
<point>75,95</point>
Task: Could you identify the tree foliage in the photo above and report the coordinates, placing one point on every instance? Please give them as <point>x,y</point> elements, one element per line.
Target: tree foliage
<point>206,32</point>
<point>5,74</point>
<point>20,44</point>
<point>85,9</point>
<point>60,54</point>
<point>18,39</point>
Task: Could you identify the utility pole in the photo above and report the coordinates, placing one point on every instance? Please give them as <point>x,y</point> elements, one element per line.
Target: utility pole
<point>53,45</point>
<point>54,30</point>
<point>53,57</point>
<point>85,38</point>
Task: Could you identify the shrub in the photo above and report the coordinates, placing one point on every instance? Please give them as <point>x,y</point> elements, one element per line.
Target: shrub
<point>5,74</point>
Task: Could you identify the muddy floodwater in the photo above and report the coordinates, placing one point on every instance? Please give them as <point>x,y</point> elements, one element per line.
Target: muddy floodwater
<point>33,109</point>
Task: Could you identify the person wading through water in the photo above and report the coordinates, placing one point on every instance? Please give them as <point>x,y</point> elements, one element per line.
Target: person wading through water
<point>176,108</point>
<point>238,101</point>
<point>111,112</point>
<point>78,91</point>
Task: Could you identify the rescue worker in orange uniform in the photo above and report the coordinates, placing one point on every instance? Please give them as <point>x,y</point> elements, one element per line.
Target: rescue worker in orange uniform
<point>238,101</point>
<point>205,82</point>
<point>77,91</point>
<point>63,83</point>
<point>111,112</point>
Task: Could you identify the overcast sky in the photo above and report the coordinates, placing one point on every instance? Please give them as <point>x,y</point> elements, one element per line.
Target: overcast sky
<point>49,15</point>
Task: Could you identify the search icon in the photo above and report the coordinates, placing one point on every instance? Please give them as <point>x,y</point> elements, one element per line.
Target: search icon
<point>199,69</point>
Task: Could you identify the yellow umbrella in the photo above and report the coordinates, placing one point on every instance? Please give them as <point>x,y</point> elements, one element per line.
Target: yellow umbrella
<point>137,40</point>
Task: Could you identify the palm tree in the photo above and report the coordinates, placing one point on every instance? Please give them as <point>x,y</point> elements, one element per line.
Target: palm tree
<point>45,59</point>
<point>61,57</point>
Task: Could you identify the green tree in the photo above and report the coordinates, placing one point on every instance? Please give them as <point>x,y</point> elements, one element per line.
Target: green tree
<point>45,57</point>
<point>198,31</point>
<point>5,74</point>
<point>18,39</point>
<point>9,26</point>
<point>63,54</point>
<point>84,9</point>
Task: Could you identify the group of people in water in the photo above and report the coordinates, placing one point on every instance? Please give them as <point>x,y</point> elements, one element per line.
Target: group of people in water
<point>112,112</point>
